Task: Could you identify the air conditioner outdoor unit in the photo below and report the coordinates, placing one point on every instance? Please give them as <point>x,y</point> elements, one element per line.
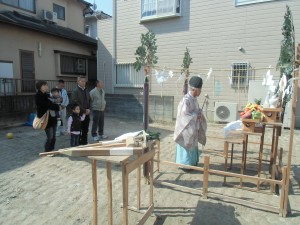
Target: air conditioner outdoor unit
<point>50,16</point>
<point>225,112</point>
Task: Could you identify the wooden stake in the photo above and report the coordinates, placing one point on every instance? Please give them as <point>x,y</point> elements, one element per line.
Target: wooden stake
<point>138,186</point>
<point>282,193</point>
<point>205,176</point>
<point>226,157</point>
<point>244,155</point>
<point>274,155</point>
<point>95,196</point>
<point>158,154</point>
<point>109,191</point>
<point>151,182</point>
<point>125,192</point>
<point>261,148</point>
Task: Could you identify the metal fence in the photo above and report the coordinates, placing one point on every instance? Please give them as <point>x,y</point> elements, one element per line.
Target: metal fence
<point>11,86</point>
<point>127,76</point>
<point>17,97</point>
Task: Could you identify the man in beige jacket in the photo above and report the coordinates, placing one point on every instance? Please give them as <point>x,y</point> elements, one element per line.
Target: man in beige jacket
<point>98,103</point>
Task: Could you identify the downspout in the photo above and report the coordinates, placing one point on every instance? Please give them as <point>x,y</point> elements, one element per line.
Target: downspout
<point>114,50</point>
<point>98,53</point>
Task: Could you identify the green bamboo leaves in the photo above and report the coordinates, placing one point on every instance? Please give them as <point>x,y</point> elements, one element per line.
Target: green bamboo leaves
<point>287,51</point>
<point>145,54</point>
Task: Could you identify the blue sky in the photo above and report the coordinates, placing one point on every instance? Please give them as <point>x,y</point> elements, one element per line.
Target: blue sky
<point>103,5</point>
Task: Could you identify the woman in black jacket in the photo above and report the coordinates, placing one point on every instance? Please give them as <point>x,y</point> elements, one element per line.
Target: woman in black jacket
<point>43,104</point>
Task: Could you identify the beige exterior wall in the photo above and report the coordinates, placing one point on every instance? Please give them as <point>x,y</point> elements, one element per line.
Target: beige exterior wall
<point>105,48</point>
<point>45,66</point>
<point>213,30</point>
<point>14,39</point>
<point>73,12</point>
<point>92,23</point>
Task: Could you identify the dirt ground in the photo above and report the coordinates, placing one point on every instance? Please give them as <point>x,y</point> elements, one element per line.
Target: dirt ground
<point>58,190</point>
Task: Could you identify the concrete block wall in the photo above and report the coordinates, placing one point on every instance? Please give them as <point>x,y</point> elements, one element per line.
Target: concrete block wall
<point>131,107</point>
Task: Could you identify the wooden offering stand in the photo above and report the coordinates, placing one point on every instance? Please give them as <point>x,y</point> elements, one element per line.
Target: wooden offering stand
<point>252,127</point>
<point>118,151</point>
<point>271,115</point>
<point>271,119</point>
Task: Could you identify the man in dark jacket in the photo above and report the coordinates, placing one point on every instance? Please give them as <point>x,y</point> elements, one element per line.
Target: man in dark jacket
<point>80,96</point>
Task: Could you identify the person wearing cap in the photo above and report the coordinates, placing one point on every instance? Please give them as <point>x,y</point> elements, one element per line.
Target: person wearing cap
<point>191,125</point>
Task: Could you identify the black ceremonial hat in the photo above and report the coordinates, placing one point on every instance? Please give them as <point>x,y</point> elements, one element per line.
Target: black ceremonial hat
<point>196,82</point>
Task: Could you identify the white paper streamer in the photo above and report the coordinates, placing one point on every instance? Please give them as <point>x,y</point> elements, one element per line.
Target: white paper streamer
<point>230,80</point>
<point>208,74</point>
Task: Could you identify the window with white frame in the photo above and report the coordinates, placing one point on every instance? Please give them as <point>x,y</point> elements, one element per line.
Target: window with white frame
<point>155,9</point>
<point>126,76</point>
<point>28,5</point>
<point>240,74</point>
<point>245,2</point>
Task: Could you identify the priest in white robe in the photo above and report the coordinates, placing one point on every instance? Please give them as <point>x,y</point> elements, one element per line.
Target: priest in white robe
<point>191,125</point>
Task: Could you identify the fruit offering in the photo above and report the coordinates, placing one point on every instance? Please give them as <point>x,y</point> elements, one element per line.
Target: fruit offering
<point>252,110</point>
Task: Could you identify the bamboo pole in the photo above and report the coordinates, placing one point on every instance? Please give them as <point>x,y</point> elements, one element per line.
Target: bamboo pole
<point>146,115</point>
<point>292,128</point>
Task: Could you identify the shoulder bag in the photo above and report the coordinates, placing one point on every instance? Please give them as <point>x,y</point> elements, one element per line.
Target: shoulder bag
<point>41,123</point>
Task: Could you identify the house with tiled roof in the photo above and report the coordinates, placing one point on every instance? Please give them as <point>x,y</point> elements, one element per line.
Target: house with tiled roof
<point>44,40</point>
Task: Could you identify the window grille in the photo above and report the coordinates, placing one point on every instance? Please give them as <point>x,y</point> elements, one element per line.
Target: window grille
<point>72,65</point>
<point>240,74</point>
<point>128,77</point>
<point>154,9</point>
